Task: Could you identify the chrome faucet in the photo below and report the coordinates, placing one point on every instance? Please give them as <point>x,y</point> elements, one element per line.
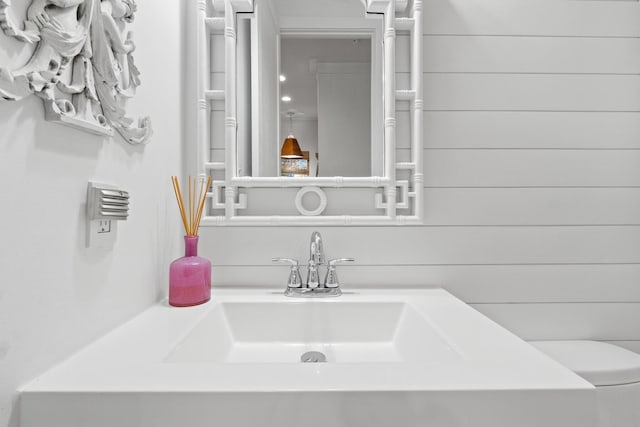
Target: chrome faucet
<point>313,288</point>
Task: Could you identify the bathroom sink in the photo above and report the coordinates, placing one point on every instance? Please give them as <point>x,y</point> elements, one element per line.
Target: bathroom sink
<point>382,357</point>
<point>344,332</point>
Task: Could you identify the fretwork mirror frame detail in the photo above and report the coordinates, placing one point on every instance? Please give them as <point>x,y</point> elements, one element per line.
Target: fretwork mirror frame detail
<point>395,198</point>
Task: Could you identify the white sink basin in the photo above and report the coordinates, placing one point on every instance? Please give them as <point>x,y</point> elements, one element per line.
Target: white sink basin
<point>344,331</point>
<point>393,357</point>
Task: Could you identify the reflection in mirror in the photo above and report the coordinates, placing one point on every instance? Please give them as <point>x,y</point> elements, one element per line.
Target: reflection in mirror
<point>311,70</point>
<point>325,87</point>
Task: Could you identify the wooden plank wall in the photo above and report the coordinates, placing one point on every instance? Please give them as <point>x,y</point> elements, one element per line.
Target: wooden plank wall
<point>532,174</point>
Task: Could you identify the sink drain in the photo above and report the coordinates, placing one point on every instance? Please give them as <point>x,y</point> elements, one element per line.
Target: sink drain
<point>313,357</point>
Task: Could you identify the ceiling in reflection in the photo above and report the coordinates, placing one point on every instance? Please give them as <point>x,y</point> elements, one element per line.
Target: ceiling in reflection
<point>298,59</point>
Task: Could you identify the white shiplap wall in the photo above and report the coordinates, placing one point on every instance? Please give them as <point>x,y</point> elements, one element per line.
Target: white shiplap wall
<point>532,174</point>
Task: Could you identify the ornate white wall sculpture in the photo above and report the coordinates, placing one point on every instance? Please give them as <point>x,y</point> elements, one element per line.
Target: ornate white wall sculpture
<point>82,65</point>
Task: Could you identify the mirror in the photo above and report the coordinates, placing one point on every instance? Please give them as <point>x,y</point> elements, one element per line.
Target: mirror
<point>325,73</point>
<point>314,88</point>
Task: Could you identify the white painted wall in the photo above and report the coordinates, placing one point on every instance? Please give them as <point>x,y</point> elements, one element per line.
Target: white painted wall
<point>532,174</point>
<point>55,295</point>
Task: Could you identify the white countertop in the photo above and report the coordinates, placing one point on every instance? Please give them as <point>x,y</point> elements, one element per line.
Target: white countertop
<point>133,357</point>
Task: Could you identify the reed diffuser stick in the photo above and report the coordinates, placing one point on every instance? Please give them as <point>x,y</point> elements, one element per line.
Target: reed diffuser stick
<point>204,187</point>
<point>196,199</point>
<point>176,190</point>
<point>190,201</point>
<point>193,206</point>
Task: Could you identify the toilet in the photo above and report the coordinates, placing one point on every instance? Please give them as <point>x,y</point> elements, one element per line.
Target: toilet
<point>613,370</point>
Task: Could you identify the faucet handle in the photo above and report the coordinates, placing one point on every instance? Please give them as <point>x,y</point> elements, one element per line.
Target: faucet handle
<point>331,280</point>
<point>294,281</point>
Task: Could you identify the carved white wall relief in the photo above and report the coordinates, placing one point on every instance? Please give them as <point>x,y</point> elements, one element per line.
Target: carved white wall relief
<point>81,66</point>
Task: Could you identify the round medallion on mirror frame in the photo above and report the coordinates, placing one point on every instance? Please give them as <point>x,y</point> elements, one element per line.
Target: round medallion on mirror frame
<point>322,201</point>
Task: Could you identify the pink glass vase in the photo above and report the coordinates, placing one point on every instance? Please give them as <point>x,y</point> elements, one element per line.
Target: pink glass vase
<point>189,277</point>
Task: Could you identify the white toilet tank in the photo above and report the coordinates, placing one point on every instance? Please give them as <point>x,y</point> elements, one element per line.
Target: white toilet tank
<point>614,371</point>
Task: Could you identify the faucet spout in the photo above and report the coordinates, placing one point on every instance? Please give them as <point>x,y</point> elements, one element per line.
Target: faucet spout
<point>316,249</point>
<point>316,259</point>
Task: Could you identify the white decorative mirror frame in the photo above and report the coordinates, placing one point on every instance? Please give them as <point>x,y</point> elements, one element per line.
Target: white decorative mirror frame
<point>397,196</point>
<point>81,65</point>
